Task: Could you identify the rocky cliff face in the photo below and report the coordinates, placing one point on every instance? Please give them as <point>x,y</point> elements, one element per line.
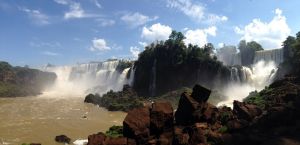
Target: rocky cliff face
<point>197,122</point>
<point>22,81</point>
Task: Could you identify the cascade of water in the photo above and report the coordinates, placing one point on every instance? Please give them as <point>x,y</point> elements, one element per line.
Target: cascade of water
<point>245,79</point>
<point>131,77</point>
<point>94,77</point>
<point>275,55</point>
<point>152,86</point>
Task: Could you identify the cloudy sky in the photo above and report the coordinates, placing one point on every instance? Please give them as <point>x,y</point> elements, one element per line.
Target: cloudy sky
<point>63,32</point>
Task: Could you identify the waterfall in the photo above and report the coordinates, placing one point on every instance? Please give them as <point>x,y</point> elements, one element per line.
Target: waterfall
<point>131,77</point>
<point>246,79</point>
<point>93,77</point>
<point>152,86</point>
<point>275,55</point>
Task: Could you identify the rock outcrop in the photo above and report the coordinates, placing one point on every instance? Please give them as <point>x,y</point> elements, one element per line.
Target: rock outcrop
<point>196,122</point>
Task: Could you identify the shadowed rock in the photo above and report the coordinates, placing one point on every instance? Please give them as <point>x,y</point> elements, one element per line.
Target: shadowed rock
<point>246,111</point>
<point>187,105</point>
<point>161,117</point>
<point>62,139</point>
<point>200,94</point>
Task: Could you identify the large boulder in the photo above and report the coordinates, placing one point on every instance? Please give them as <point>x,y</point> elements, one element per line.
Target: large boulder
<point>96,139</point>
<point>187,105</point>
<point>200,94</point>
<point>246,111</point>
<point>136,124</point>
<point>161,117</point>
<point>193,108</point>
<point>206,113</point>
<point>62,139</point>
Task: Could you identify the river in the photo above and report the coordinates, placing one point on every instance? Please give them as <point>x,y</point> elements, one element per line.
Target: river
<point>38,119</point>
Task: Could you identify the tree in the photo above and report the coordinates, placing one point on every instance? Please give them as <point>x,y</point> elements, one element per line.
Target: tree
<point>254,45</point>
<point>287,47</point>
<point>298,35</point>
<point>209,48</point>
<point>176,36</point>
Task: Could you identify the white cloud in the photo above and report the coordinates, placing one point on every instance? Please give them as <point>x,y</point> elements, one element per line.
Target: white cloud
<point>144,44</point>
<point>156,32</point>
<point>137,19</point>
<point>199,36</point>
<point>269,34</point>
<point>213,19</point>
<point>36,16</point>
<point>75,11</point>
<point>135,51</point>
<point>220,45</point>
<point>97,4</point>
<point>105,22</point>
<point>196,11</point>
<point>99,44</point>
<point>54,44</point>
<point>50,53</point>
<point>62,2</point>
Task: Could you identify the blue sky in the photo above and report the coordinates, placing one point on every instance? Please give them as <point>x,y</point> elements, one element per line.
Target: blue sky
<point>63,32</point>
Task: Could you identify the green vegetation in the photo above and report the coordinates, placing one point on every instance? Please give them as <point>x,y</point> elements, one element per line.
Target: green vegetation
<point>225,117</point>
<point>291,49</point>
<point>123,64</point>
<point>247,50</point>
<point>223,129</point>
<point>22,81</point>
<point>177,65</point>
<point>115,131</point>
<point>257,99</point>
<point>124,100</point>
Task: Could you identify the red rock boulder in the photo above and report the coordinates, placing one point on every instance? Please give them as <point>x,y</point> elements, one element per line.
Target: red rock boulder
<point>136,124</point>
<point>161,117</point>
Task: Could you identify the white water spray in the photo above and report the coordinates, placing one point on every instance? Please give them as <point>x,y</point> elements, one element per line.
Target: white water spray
<point>94,77</point>
<point>247,80</point>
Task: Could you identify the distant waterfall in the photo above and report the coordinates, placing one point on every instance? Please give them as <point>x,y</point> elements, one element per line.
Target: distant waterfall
<point>275,55</point>
<point>259,75</point>
<point>152,86</point>
<point>93,77</point>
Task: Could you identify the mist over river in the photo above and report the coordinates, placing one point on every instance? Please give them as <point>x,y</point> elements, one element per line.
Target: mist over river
<point>40,118</point>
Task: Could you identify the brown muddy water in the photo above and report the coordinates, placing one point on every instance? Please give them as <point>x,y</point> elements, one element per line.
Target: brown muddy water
<point>39,119</point>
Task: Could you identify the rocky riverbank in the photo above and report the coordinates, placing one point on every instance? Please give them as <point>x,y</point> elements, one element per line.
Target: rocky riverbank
<point>198,122</point>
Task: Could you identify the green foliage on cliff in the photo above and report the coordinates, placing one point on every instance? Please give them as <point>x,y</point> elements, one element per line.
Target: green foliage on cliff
<point>22,81</point>
<point>247,50</point>
<point>123,64</point>
<point>124,100</point>
<point>115,131</point>
<point>256,98</point>
<point>175,65</point>
<point>291,48</point>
